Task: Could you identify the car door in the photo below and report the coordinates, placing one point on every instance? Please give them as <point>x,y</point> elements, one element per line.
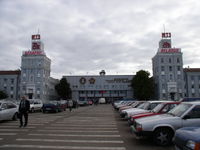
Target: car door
<point>12,109</point>
<point>192,118</point>
<point>4,112</point>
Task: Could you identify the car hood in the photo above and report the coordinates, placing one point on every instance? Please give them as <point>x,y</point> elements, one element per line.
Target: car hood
<point>145,114</point>
<point>162,118</point>
<point>131,109</point>
<point>189,133</point>
<point>138,111</point>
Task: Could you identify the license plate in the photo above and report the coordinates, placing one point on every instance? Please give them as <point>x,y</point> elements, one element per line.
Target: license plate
<point>48,108</point>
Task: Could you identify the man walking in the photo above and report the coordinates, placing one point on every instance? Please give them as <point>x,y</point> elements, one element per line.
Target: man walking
<point>70,105</point>
<point>24,107</point>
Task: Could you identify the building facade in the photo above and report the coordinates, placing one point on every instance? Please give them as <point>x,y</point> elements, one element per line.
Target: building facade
<point>10,83</point>
<point>192,80</point>
<point>168,70</point>
<point>94,87</point>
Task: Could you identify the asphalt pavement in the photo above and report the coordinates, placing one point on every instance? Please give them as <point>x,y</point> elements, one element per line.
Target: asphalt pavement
<point>86,128</point>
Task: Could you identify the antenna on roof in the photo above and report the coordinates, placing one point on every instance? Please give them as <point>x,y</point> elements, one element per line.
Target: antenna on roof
<point>38,31</point>
<point>164,27</point>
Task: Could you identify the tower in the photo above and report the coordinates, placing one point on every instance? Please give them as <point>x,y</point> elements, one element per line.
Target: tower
<point>168,70</point>
<point>35,70</point>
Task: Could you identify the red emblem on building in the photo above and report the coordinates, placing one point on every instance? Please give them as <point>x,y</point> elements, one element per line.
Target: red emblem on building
<point>92,80</point>
<point>82,80</point>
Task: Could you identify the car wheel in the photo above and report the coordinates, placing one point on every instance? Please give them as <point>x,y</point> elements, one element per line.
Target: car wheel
<point>163,136</point>
<point>14,117</point>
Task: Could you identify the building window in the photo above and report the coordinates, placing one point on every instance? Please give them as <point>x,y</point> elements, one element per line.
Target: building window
<point>11,96</point>
<point>12,81</point>
<point>162,60</point>
<point>5,80</point>
<point>192,86</point>
<point>178,60</point>
<point>192,78</point>
<point>178,68</point>
<point>170,60</point>
<point>11,88</point>
<point>162,68</point>
<point>170,77</point>
<point>170,68</point>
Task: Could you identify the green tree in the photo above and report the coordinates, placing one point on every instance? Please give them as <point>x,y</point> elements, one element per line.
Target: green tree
<point>63,89</point>
<point>143,86</point>
<point>3,95</point>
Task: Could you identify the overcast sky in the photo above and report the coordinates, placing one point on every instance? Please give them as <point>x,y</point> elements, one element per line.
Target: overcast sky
<point>85,36</point>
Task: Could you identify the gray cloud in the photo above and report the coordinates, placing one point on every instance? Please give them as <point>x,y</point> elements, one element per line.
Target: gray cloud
<point>87,36</point>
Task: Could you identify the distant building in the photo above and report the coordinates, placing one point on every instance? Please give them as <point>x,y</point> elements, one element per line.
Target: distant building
<point>168,70</point>
<point>93,87</point>
<point>10,83</point>
<point>34,78</point>
<point>192,80</point>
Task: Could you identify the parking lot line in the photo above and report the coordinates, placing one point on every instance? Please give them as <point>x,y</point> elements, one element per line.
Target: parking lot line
<point>77,131</point>
<point>79,128</point>
<point>8,133</point>
<point>62,147</point>
<point>81,125</point>
<point>70,141</point>
<point>11,130</point>
<point>73,135</point>
<point>28,127</point>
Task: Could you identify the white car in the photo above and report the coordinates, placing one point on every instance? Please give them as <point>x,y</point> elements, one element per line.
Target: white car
<point>145,107</point>
<point>102,100</point>
<point>35,105</point>
<point>8,111</point>
<point>162,127</point>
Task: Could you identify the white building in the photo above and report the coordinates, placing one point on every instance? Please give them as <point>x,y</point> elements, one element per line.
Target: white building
<point>168,70</point>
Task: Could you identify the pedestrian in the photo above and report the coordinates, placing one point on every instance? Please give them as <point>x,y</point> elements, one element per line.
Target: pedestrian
<point>70,105</point>
<point>24,108</point>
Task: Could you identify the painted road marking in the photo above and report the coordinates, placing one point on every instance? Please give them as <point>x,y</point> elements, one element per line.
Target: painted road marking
<point>82,125</point>
<point>71,128</point>
<point>73,135</point>
<point>17,126</point>
<point>80,131</point>
<point>11,130</point>
<point>8,133</point>
<point>62,147</point>
<point>70,141</point>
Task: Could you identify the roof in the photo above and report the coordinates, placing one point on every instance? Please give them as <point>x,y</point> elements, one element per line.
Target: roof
<point>193,103</point>
<point>191,69</point>
<point>10,72</point>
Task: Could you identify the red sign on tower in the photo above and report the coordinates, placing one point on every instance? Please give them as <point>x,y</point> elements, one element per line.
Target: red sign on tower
<point>36,37</point>
<point>166,35</point>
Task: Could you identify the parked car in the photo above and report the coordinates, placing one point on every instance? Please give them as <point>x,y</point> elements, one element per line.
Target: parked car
<point>162,127</point>
<point>187,138</point>
<point>145,107</point>
<point>118,102</point>
<point>8,111</point>
<point>64,104</point>
<point>35,105</point>
<point>164,107</point>
<point>52,106</point>
<point>102,100</point>
<point>82,102</point>
<point>190,99</point>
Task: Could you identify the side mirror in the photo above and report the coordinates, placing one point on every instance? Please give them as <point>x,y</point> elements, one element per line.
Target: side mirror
<point>186,117</point>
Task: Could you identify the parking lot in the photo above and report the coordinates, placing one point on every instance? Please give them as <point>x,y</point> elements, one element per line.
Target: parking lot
<point>86,128</point>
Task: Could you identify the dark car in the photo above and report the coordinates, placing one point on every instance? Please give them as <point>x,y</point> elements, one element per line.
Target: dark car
<point>52,106</point>
<point>187,138</point>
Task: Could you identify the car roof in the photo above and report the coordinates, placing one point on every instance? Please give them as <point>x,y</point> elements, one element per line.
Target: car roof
<point>193,103</point>
<point>159,101</point>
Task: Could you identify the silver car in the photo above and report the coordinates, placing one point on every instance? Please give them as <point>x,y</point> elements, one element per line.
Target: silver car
<point>8,111</point>
<point>162,127</point>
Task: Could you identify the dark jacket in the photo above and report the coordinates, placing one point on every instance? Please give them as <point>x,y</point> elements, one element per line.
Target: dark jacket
<point>26,108</point>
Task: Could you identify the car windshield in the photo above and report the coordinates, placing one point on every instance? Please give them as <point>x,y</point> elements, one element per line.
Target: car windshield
<point>179,110</point>
<point>158,108</point>
<point>143,105</point>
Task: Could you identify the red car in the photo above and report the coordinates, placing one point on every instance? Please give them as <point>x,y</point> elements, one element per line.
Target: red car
<point>160,109</point>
